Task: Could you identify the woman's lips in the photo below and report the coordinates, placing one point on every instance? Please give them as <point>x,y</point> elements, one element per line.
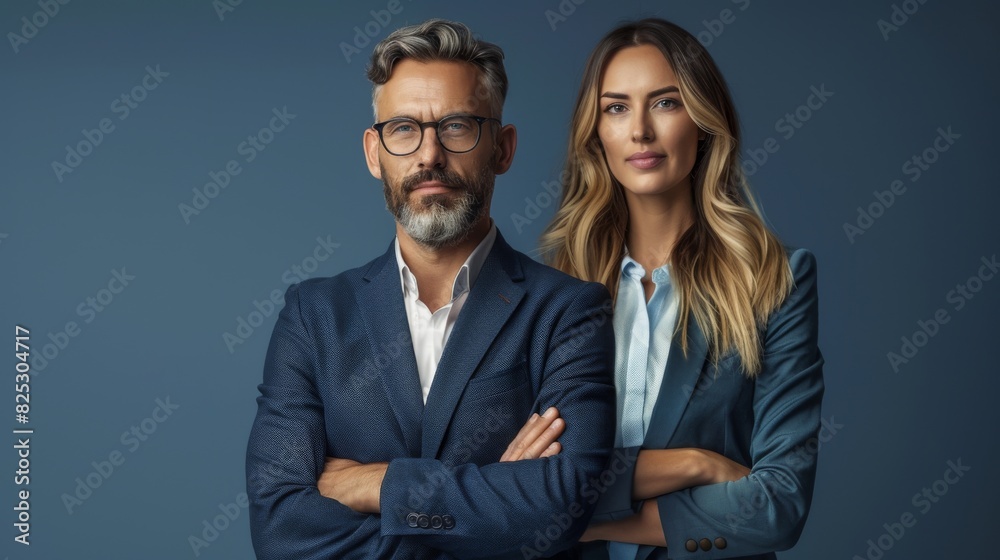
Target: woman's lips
<point>645,160</point>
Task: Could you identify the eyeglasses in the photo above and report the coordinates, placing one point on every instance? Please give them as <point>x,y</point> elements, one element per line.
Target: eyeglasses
<point>457,134</point>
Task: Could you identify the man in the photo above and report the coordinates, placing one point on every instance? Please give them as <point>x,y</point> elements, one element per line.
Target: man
<point>388,420</point>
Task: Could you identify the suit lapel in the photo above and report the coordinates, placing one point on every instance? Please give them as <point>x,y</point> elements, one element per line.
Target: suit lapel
<point>490,304</point>
<point>381,304</point>
<point>680,379</point>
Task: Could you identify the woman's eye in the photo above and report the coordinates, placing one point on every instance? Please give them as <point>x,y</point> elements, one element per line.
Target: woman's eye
<point>614,108</point>
<point>667,103</point>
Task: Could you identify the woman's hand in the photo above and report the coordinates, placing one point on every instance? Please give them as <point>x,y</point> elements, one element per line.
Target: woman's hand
<point>662,471</point>
<point>719,468</point>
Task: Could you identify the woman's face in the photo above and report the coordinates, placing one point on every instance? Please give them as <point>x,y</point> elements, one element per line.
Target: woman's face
<point>650,142</point>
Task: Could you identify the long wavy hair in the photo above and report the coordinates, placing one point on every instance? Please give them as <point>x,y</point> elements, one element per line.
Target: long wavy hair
<point>729,268</point>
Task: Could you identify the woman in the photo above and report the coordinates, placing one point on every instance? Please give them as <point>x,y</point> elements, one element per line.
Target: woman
<point>717,369</point>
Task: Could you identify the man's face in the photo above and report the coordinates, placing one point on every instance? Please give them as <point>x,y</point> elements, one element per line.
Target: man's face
<point>437,196</point>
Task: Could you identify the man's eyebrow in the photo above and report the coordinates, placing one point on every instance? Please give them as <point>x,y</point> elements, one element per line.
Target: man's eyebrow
<point>402,116</point>
<point>661,91</point>
<point>413,118</point>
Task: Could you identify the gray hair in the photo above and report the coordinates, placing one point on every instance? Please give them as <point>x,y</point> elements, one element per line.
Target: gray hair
<point>439,39</point>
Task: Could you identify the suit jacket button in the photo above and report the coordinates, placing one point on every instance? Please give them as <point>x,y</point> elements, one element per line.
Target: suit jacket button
<point>424,521</point>
<point>720,543</point>
<point>705,544</point>
<point>448,521</point>
<point>411,520</point>
<point>690,545</point>
<point>436,522</point>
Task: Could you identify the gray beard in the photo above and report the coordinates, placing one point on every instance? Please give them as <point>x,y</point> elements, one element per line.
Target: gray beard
<point>437,225</point>
<point>439,220</point>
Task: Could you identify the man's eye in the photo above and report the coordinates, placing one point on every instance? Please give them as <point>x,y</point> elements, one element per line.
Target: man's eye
<point>456,126</point>
<point>400,128</point>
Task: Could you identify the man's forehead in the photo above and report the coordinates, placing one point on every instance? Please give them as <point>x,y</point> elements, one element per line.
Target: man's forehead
<point>432,85</point>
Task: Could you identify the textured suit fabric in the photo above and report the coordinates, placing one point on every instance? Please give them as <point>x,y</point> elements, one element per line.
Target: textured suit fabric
<point>769,424</point>
<point>340,380</point>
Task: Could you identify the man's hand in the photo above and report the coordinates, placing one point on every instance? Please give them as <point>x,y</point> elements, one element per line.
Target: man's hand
<point>537,438</point>
<point>353,484</point>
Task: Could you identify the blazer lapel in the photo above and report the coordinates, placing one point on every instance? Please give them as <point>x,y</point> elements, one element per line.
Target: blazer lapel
<point>680,379</point>
<point>381,304</point>
<point>490,304</point>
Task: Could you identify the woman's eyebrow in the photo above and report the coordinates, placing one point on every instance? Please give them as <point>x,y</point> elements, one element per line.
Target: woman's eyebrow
<point>661,91</point>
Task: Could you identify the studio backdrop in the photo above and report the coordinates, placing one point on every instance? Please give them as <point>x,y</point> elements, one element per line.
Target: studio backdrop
<point>169,168</point>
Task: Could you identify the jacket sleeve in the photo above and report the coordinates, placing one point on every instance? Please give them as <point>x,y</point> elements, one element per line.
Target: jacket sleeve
<point>527,508</point>
<point>285,456</point>
<point>766,510</point>
<point>616,491</point>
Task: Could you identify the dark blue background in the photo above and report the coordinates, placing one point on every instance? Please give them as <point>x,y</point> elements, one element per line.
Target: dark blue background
<point>162,336</point>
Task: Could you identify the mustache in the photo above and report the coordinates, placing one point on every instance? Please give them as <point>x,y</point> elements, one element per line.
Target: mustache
<point>449,178</point>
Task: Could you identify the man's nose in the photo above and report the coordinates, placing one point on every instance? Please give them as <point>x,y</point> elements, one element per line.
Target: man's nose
<point>431,154</point>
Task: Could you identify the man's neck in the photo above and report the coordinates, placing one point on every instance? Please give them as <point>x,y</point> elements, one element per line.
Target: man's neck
<point>435,269</point>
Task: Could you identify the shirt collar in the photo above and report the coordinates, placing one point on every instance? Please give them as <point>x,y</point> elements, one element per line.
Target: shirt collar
<point>632,269</point>
<point>467,274</point>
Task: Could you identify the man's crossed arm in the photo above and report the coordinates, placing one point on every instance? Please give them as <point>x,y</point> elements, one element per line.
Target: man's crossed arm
<point>358,485</point>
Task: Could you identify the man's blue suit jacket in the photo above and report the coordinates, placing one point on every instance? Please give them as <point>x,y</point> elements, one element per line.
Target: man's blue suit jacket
<point>770,424</point>
<point>340,379</point>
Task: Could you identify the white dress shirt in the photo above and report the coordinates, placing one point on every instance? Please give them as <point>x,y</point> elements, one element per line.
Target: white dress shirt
<point>430,331</point>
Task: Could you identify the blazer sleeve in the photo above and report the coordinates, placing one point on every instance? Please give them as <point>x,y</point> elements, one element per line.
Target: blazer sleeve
<point>529,508</point>
<point>766,510</point>
<point>289,518</point>
<point>616,492</point>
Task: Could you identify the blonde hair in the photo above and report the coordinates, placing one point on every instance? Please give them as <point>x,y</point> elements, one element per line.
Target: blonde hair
<point>729,268</point>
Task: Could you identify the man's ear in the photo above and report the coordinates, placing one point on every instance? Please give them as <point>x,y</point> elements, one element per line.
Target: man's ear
<point>506,144</point>
<point>371,145</point>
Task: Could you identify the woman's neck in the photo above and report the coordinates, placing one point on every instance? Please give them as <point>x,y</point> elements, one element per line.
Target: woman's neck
<point>656,222</point>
